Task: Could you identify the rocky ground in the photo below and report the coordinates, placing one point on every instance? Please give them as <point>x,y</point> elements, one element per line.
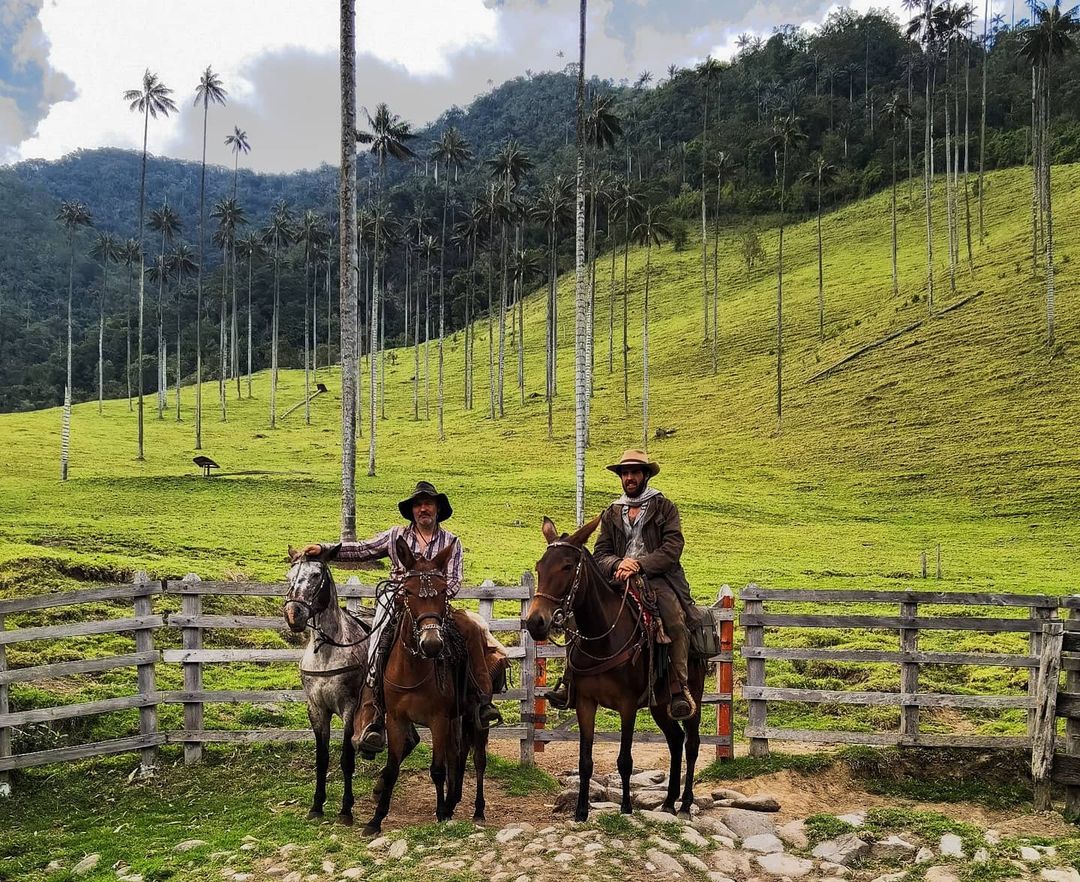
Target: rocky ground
<point>731,836</point>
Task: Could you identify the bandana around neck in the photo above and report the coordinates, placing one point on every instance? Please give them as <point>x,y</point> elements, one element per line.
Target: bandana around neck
<point>639,500</point>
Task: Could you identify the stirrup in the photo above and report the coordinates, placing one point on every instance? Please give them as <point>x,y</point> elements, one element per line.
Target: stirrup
<point>372,742</point>
<point>558,697</point>
<point>487,715</point>
<point>685,700</point>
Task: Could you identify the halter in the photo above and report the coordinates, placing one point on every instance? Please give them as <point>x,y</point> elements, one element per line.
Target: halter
<point>321,605</point>
<point>425,622</point>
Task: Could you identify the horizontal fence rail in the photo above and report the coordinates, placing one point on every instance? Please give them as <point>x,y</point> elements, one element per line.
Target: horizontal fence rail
<point>193,624</point>
<point>768,626</point>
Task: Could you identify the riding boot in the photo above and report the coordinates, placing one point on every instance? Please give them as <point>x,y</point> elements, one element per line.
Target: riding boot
<point>682,706</point>
<point>559,696</point>
<point>487,714</point>
<point>372,740</point>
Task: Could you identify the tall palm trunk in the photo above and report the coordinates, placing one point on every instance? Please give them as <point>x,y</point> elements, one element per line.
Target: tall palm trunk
<point>704,220</point>
<point>982,124</point>
<point>442,282</point>
<point>715,271</point>
<point>611,301</point>
<point>491,308</point>
<point>161,331</point>
<point>274,335</point>
<point>1044,141</point>
<point>127,334</point>
<point>101,337</point>
<point>234,345</point>
<point>251,257</point>
<point>142,281</point>
<point>967,146</point>
<point>222,342</point>
<point>416,331</point>
<point>780,304</point>
<point>895,274</point>
<point>307,337</point>
<point>179,301</point>
<point>520,321</point>
<point>625,313</point>
<point>198,290</point>
<point>645,350</point>
<point>581,300</point>
<point>65,430</point>
<point>928,189</point>
<point>549,365</point>
<point>347,307</point>
<point>821,259</point>
<point>427,340</point>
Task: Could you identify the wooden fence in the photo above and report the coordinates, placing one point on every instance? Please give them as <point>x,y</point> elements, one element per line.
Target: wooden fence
<point>911,621</point>
<point>192,624</point>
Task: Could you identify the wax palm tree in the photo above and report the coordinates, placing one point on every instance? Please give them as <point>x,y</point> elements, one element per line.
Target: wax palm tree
<point>209,91</point>
<point>106,248</point>
<point>238,143</point>
<point>581,311</point>
<point>651,231</point>
<point>309,234</point>
<point>230,217</point>
<point>152,100</point>
<point>628,207</point>
<point>1051,35</point>
<point>821,174</point>
<point>896,110</point>
<point>708,72</point>
<point>467,234</point>
<point>724,170</point>
<point>787,136</point>
<point>181,263</point>
<point>387,138</point>
<point>248,248</point>
<point>130,255</point>
<point>277,234</point>
<point>166,223</point>
<point>453,151</point>
<point>158,273</point>
<point>71,216</point>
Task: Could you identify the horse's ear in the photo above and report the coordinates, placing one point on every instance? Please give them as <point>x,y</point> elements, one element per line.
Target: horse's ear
<point>329,552</point>
<point>583,532</point>
<point>293,555</point>
<point>548,528</point>
<point>405,555</point>
<point>442,557</point>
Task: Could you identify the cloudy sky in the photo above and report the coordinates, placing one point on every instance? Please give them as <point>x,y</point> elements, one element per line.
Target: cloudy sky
<point>65,63</point>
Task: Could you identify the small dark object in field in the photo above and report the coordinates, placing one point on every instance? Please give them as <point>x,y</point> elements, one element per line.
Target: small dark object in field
<point>205,463</point>
<point>661,432</point>
<point>322,388</point>
<point>258,435</point>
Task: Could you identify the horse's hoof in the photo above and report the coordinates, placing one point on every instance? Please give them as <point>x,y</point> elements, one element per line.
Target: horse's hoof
<point>667,809</point>
<point>371,830</point>
<point>479,818</point>
<point>684,815</point>
<point>345,819</point>
<point>581,816</point>
<point>626,809</point>
<point>315,815</point>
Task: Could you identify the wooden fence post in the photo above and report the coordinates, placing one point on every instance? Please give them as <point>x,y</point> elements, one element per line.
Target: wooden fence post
<point>909,674</point>
<point>352,604</point>
<point>1035,642</point>
<point>1042,743</point>
<point>144,642</point>
<point>755,673</point>
<point>528,679</point>
<point>725,680</point>
<point>191,605</point>
<point>5,707</point>
<point>1072,731</point>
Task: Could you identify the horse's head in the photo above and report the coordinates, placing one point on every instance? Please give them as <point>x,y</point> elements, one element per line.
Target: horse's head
<point>559,574</point>
<point>423,591</point>
<point>311,587</point>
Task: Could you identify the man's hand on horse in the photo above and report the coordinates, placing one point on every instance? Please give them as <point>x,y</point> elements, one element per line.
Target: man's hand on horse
<point>313,550</point>
<point>627,567</point>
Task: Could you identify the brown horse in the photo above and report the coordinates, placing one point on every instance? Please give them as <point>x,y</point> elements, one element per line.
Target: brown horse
<point>423,684</point>
<point>608,656</point>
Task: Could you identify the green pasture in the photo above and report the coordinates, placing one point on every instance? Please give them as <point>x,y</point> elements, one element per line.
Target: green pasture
<point>961,434</point>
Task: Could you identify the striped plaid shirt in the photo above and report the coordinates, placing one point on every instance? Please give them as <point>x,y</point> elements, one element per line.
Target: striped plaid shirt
<point>385,545</point>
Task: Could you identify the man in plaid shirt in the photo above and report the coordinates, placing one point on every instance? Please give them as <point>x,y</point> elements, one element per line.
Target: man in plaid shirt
<point>426,510</point>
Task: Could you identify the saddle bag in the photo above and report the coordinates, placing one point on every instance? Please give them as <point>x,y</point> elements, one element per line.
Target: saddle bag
<point>704,641</point>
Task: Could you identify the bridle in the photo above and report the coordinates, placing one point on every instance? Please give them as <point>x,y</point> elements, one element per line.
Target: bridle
<point>426,621</point>
<point>321,605</point>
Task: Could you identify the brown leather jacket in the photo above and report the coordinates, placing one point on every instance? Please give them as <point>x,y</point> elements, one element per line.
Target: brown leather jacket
<point>662,534</point>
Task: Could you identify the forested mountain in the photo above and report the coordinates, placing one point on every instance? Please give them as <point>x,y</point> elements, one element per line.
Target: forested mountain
<point>836,83</point>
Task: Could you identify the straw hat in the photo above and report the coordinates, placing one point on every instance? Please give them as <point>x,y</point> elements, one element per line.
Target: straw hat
<point>635,459</point>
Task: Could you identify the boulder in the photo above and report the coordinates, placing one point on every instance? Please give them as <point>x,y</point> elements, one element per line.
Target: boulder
<point>397,849</point>
<point>765,843</point>
<point>855,819</point>
<point>658,817</point>
<point>714,876</point>
<point>893,848</point>
<point>647,777</point>
<point>780,864</point>
<point>1065,874</point>
<point>730,863</point>
<point>759,802</point>
<point>951,845</point>
<point>694,862</point>
<point>794,834</point>
<point>727,793</point>
<point>86,865</point>
<point>941,874</point>
<point>1029,854</point>
<point>508,834</point>
<point>690,835</point>
<point>713,827</point>
<point>648,799</point>
<point>844,850</point>
<point>744,823</point>
<point>664,844</point>
<point>665,863</point>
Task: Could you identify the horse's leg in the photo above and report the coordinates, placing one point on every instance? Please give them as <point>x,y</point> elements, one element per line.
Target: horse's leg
<point>693,742</point>
<point>455,767</point>
<point>320,725</point>
<point>586,717</point>
<point>480,744</point>
<point>440,736</point>
<point>626,758</point>
<point>673,733</point>
<point>348,766</point>
<point>412,738</point>
<point>396,740</point>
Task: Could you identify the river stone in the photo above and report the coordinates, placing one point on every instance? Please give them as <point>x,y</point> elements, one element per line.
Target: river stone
<point>189,845</point>
<point>890,877</point>
<point>659,817</point>
<point>665,863</point>
<point>689,834</point>
<point>1029,854</point>
<point>712,826</point>
<point>53,867</point>
<point>744,823</point>
<point>834,869</point>
<point>727,793</point>
<point>353,873</point>
<point>856,819</point>
<point>892,848</point>
<point>664,844</point>
<point>981,856</point>
<point>1065,874</point>
<point>603,807</point>
<point>794,834</point>
<point>507,834</point>
<point>780,864</point>
<point>694,862</point>
<point>714,876</point>
<point>648,799</point>
<point>294,876</point>
<point>593,848</point>
<point>86,865</point>
<point>844,850</point>
<point>766,843</point>
<point>924,855</point>
<point>563,857</point>
<point>730,863</point>
<point>951,845</point>
<point>379,842</point>
<point>759,802</point>
<point>398,849</point>
<point>941,874</point>
<point>647,777</point>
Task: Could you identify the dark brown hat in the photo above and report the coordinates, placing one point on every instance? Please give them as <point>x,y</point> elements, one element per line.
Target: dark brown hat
<point>635,459</point>
<point>426,488</point>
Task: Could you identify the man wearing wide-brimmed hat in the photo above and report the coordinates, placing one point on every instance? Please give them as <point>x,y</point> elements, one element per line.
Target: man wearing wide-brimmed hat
<point>426,510</point>
<point>641,534</point>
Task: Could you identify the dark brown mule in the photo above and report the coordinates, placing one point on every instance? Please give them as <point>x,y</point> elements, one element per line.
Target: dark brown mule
<point>421,689</point>
<point>331,669</point>
<point>609,659</point>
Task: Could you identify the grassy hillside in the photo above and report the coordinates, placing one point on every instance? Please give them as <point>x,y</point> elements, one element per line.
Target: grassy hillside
<point>960,433</point>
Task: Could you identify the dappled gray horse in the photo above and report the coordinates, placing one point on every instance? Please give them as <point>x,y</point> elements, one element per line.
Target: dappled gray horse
<point>332,667</point>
